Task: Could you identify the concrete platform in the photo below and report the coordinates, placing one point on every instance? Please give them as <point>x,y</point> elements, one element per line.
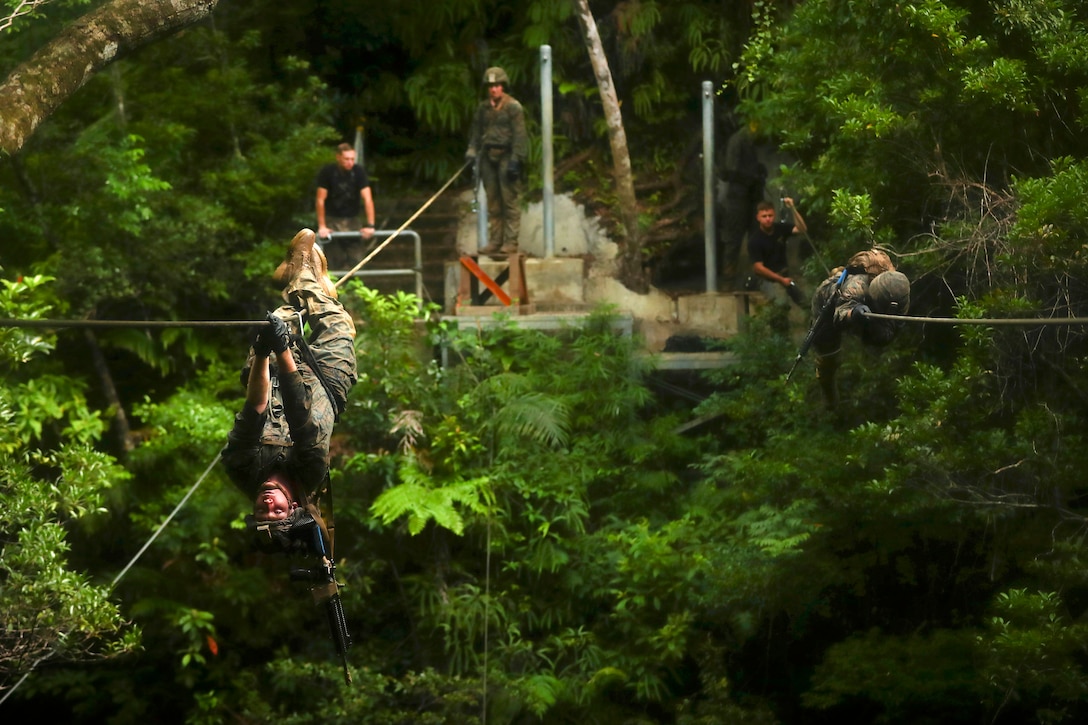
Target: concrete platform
<point>561,293</point>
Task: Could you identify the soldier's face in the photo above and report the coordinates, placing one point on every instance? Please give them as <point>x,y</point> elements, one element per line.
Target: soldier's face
<point>494,91</point>
<point>274,500</point>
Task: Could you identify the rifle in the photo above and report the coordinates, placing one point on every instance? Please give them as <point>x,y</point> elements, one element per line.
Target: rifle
<point>475,183</point>
<point>326,591</point>
<point>817,323</point>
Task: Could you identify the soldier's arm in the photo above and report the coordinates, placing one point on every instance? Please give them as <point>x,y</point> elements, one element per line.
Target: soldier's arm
<point>520,141</point>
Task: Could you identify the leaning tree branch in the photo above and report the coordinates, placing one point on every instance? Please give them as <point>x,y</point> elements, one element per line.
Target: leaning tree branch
<point>35,89</point>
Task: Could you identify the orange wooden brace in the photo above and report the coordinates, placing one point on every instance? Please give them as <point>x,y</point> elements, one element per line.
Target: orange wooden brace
<point>471,266</point>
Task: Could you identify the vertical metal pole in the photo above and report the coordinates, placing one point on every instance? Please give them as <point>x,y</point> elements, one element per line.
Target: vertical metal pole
<point>547,152</point>
<point>360,149</point>
<point>709,228</point>
<point>481,212</point>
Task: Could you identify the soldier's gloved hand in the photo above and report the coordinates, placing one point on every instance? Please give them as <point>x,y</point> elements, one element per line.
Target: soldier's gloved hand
<point>860,312</point>
<point>277,335</point>
<point>513,170</point>
<point>261,348</point>
<point>470,155</point>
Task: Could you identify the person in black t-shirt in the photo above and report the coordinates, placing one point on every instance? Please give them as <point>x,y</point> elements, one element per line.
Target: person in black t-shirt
<point>767,250</point>
<point>343,191</point>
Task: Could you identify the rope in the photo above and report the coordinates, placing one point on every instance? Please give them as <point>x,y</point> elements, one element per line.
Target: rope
<point>158,324</point>
<point>167,521</point>
<point>56,324</point>
<point>1010,321</point>
<point>402,227</point>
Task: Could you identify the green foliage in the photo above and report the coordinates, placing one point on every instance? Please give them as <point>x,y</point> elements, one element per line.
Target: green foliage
<point>877,119</point>
<point>523,526</point>
<point>928,677</point>
<point>1031,654</point>
<point>416,498</point>
<point>51,480</point>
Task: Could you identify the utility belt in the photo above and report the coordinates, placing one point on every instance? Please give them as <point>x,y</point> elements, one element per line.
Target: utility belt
<point>496,151</point>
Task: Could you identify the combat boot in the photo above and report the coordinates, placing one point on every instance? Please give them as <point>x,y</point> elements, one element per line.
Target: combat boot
<point>300,256</point>
<point>305,263</point>
<point>321,271</point>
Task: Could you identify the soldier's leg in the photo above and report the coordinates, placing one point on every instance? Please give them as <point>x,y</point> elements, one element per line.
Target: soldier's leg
<point>489,177</point>
<point>332,341</point>
<point>511,209</point>
<point>733,226</point>
<point>332,331</point>
<point>826,367</point>
<point>827,346</point>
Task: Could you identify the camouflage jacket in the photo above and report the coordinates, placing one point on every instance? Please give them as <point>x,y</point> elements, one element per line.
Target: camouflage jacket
<point>500,128</point>
<point>288,436</point>
<point>853,292</point>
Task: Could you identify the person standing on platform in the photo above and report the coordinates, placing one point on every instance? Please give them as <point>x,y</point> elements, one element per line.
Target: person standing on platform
<point>499,145</point>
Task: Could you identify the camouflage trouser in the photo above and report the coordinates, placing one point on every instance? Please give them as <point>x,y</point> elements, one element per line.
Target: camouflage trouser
<point>503,200</point>
<point>332,342</point>
<point>332,334</point>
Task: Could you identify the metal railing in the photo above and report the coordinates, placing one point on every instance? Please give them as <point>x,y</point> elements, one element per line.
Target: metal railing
<point>379,234</point>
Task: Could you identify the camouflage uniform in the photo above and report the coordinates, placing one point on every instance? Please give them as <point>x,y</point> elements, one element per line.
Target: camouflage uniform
<point>498,137</point>
<point>862,269</point>
<point>292,435</point>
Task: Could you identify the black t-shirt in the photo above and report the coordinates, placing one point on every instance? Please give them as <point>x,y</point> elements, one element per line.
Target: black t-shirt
<point>343,187</point>
<point>770,248</point>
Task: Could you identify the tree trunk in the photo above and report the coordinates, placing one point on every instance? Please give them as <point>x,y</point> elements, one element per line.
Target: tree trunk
<point>35,89</point>
<point>632,273</point>
<point>121,429</point>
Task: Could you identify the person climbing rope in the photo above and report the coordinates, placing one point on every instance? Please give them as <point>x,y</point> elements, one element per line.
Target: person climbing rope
<point>278,449</point>
<point>843,302</point>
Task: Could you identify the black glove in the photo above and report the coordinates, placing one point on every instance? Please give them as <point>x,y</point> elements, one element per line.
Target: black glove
<point>513,170</point>
<point>261,348</point>
<point>860,311</point>
<point>795,294</point>
<point>273,338</point>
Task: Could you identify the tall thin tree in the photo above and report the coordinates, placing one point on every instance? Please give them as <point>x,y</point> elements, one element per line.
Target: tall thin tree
<point>632,273</point>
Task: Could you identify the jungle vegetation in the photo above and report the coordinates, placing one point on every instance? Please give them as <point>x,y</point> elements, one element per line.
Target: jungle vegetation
<point>524,533</point>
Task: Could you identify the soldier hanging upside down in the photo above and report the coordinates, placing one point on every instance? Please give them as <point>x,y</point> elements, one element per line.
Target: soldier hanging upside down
<point>871,284</point>
<point>278,449</point>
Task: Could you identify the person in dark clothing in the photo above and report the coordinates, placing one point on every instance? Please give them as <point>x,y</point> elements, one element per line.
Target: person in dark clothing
<point>278,449</point>
<point>767,250</point>
<point>871,284</point>
<point>343,192</point>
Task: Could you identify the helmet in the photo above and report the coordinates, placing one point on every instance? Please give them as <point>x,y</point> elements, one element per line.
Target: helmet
<point>496,74</point>
<point>890,293</point>
<point>302,532</point>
